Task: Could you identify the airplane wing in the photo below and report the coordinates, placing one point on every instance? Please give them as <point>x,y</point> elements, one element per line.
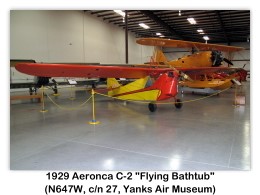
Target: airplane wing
<point>186,44</point>
<point>208,70</point>
<point>88,71</point>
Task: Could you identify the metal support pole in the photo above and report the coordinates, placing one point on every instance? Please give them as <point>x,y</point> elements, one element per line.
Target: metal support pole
<point>126,37</point>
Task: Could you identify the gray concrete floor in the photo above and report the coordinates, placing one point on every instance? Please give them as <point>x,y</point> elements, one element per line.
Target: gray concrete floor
<point>209,134</point>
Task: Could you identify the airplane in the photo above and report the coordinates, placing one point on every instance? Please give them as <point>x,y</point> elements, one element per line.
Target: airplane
<point>164,87</point>
<point>209,55</point>
<point>204,67</point>
<point>34,83</point>
<point>153,83</point>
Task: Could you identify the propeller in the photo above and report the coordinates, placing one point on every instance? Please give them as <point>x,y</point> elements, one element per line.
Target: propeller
<point>228,61</point>
<point>217,58</point>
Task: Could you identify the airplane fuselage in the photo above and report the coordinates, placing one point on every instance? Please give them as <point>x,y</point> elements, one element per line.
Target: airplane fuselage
<point>201,59</point>
<point>165,87</point>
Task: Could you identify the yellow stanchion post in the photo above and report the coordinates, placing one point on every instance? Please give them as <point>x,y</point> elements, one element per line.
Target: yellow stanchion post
<point>71,97</point>
<point>43,105</point>
<point>93,121</point>
<point>235,98</point>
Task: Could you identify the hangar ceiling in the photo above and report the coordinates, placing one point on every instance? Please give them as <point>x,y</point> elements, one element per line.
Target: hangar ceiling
<point>221,26</point>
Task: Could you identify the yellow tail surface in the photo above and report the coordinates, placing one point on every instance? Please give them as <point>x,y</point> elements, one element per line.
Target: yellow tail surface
<point>115,89</point>
<point>160,57</point>
<point>112,83</point>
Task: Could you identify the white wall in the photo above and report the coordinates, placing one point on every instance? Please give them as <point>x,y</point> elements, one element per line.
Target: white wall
<point>75,36</point>
<point>70,36</point>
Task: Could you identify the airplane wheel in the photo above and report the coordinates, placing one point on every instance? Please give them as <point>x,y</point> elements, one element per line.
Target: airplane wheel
<point>178,103</point>
<point>152,107</point>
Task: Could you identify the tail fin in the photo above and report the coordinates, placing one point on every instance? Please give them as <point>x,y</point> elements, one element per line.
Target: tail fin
<point>159,57</point>
<point>114,87</point>
<point>112,83</point>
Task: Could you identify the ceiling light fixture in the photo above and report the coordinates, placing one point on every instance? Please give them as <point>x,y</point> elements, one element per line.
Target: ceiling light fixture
<point>192,20</point>
<point>120,12</point>
<point>206,38</point>
<point>144,26</point>
<point>179,12</point>
<point>200,31</point>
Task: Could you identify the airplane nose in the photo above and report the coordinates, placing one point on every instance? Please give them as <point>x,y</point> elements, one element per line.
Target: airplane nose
<point>216,58</point>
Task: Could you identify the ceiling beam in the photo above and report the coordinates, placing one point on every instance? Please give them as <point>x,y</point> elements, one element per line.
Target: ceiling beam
<point>222,27</point>
<point>156,19</point>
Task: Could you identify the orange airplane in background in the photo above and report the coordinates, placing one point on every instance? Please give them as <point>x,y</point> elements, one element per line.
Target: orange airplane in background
<point>209,55</point>
<point>205,67</point>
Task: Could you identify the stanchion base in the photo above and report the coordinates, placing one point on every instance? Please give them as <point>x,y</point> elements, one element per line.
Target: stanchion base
<point>72,98</point>
<point>56,94</point>
<point>43,110</point>
<point>94,122</point>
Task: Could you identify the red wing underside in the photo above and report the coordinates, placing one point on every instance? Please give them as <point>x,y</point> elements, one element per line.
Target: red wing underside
<point>89,71</point>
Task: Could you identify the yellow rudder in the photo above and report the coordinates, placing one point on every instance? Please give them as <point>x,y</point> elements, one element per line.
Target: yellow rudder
<point>115,88</point>
<point>159,57</point>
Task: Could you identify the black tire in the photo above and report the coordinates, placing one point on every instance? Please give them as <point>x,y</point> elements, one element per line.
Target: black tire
<point>152,107</point>
<point>178,104</point>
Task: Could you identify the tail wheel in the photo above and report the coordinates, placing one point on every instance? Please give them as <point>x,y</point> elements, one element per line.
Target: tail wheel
<point>152,107</point>
<point>178,103</point>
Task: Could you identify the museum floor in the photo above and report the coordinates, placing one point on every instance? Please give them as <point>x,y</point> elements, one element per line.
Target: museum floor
<point>209,134</point>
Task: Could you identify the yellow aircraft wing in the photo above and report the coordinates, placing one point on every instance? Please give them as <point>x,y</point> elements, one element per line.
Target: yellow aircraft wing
<point>186,44</point>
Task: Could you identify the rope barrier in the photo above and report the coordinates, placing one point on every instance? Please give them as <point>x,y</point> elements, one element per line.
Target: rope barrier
<point>159,102</point>
<point>94,121</point>
<point>136,101</point>
<point>72,108</point>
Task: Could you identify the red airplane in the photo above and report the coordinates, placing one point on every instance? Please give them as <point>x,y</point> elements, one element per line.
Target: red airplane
<point>164,87</point>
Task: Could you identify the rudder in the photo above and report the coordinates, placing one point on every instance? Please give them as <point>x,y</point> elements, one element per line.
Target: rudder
<point>159,57</point>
